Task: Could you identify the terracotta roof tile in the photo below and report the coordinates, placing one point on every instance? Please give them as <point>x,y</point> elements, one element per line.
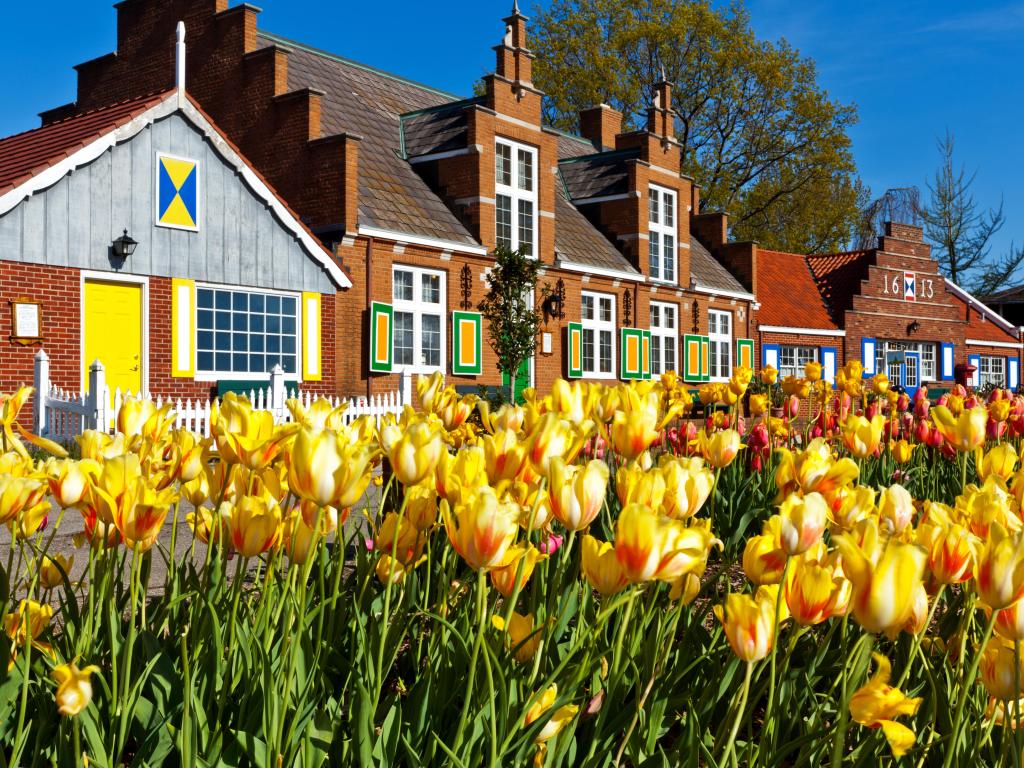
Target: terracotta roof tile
<point>26,154</point>
<point>839,276</point>
<point>789,295</point>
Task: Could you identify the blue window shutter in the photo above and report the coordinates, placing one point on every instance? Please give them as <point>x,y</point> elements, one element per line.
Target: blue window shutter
<point>1013,373</point>
<point>975,360</point>
<point>948,355</point>
<point>770,356</point>
<point>827,357</point>
<point>867,356</point>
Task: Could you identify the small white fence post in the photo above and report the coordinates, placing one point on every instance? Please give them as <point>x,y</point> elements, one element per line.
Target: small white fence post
<point>41,381</point>
<point>278,394</point>
<point>97,404</point>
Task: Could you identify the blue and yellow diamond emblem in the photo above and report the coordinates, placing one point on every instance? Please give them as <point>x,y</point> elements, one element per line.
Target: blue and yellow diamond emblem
<point>177,193</point>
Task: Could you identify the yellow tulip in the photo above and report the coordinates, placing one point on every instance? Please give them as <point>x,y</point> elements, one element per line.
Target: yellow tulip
<point>964,432</point>
<point>18,494</point>
<point>10,410</point>
<point>397,537</point>
<point>416,453</point>
<point>28,622</point>
<point>749,624</point>
<point>685,549</point>
<point>421,505</point>
<point>1010,621</point>
<point>763,556</point>
<point>554,436</point>
<point>74,687</point>
<point>741,377</point>
<point>481,528</point>
<point>321,414</point>
<point>999,461</point>
<point>328,470</point>
<point>896,507</point>
<point>140,523</point>
<point>793,386</point>
<point>999,569</point>
<point>55,570</point>
<point>802,522</point>
<point>246,436</point>
<point>189,454</point>
<point>298,537</point>
<point>577,493</point>
<point>506,456</point>
<point>877,703</point>
<point>650,546</point>
<point>884,580</point>
<point>999,410</point>
<point>688,485</point>
<point>210,525</point>
<point>862,436</point>
<point>720,448</point>
<point>540,705</point>
<point>902,451</point>
<point>254,524</point>
<point>116,489</point>
<point>768,375</point>
<point>880,383</point>
<point>851,504</point>
<point>758,404</point>
<point>520,635</point>
<point>813,592</point>
<point>813,469</point>
<point>69,480</point>
<point>601,567</point>
<point>998,669</point>
<point>634,485</point>
<point>466,470</point>
<point>508,416</point>
<point>503,578</point>
<point>950,549</point>
<point>812,371</point>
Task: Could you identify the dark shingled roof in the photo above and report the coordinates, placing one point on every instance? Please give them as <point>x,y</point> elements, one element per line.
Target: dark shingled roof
<point>596,175</point>
<point>436,130</point>
<point>709,272</point>
<point>361,100</point>
<point>578,241</point>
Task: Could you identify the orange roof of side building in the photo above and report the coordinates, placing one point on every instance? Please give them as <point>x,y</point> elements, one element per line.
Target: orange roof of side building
<point>788,293</point>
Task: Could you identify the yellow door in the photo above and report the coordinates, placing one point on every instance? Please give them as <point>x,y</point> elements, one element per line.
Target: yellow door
<point>113,333</point>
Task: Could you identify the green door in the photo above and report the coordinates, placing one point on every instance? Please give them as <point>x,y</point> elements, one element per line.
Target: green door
<point>522,380</point>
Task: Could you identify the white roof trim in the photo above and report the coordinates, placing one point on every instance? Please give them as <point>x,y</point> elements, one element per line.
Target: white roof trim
<point>982,307</point>
<point>800,331</point>
<point>430,242</point>
<point>168,106</point>
<point>1000,344</point>
<point>572,266</point>
<point>698,288</point>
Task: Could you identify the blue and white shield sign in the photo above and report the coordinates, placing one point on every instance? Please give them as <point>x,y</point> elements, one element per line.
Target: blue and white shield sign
<point>909,286</point>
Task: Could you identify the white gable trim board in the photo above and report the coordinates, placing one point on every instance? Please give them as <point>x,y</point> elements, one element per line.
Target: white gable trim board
<point>168,106</point>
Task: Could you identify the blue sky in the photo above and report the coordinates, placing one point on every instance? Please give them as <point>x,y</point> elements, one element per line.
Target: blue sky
<point>913,68</point>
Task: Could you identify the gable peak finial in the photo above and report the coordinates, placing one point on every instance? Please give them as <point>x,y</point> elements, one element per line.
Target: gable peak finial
<point>515,7</point>
<point>663,74</point>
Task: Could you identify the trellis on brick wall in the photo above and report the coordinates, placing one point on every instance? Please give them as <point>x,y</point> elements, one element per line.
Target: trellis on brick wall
<point>62,415</point>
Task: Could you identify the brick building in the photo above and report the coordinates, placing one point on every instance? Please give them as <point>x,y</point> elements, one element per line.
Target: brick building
<point>412,189</point>
<point>888,307</point>
<point>223,281</point>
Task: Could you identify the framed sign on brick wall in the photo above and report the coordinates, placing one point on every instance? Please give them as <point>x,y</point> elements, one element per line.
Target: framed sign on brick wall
<point>26,321</point>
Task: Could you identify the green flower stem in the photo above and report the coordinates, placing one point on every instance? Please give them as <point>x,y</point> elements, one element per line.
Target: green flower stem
<point>917,637</point>
<point>125,711</point>
<point>768,731</point>
<point>386,615</point>
<point>481,592</point>
<point>741,707</point>
<point>965,692</point>
<point>844,712</point>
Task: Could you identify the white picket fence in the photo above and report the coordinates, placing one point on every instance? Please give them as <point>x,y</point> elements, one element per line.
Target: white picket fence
<point>63,415</point>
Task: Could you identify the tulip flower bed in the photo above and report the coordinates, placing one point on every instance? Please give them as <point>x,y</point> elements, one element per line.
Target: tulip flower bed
<point>590,579</point>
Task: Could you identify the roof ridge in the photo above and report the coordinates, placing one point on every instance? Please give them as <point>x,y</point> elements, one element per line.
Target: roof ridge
<point>358,64</point>
<point>151,96</point>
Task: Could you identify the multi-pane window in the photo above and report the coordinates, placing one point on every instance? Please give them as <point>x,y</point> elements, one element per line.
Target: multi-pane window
<point>720,338</point>
<point>246,333</point>
<point>792,360</point>
<point>597,315</point>
<point>925,348</point>
<point>991,371</point>
<point>515,199</point>
<point>418,299</point>
<point>661,229</point>
<point>664,337</point>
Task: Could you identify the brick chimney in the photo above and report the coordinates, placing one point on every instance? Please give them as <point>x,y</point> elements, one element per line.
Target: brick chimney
<point>600,125</point>
<point>659,115</point>
<point>515,61</point>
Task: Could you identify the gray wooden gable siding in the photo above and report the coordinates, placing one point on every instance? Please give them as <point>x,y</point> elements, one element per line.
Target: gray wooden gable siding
<point>240,240</point>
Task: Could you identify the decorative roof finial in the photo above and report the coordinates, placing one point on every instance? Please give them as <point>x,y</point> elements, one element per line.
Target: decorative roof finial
<point>515,7</point>
<point>663,74</point>
<point>179,55</point>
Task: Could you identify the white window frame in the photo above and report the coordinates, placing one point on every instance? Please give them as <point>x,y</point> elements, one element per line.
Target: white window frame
<point>928,351</point>
<point>664,336</point>
<point>660,202</point>
<point>987,373</point>
<point>801,354</point>
<point>203,374</point>
<point>517,195</point>
<point>721,343</point>
<point>597,326</point>
<point>418,308</point>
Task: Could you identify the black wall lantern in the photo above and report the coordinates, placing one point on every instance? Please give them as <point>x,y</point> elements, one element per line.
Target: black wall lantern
<point>124,246</point>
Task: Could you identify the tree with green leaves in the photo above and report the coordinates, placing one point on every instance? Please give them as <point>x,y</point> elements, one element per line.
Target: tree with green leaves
<point>513,322</point>
<point>766,143</point>
<point>961,232</point>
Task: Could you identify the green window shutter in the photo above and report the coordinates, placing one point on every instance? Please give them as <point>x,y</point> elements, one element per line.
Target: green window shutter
<point>381,323</point>
<point>705,358</point>
<point>691,358</point>
<point>745,353</point>
<point>574,351</point>
<point>645,355</point>
<point>467,343</point>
